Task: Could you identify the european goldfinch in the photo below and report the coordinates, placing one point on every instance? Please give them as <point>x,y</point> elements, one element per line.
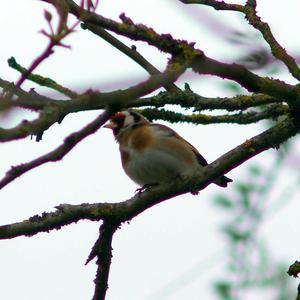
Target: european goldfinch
<point>153,153</point>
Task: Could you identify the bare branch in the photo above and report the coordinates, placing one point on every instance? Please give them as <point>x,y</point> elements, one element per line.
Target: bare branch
<point>57,154</point>
<point>30,100</point>
<point>251,15</point>
<point>272,112</point>
<point>247,79</point>
<point>189,99</point>
<point>130,52</point>
<point>200,63</point>
<point>277,50</point>
<point>40,80</point>
<point>125,211</point>
<point>217,5</point>
<point>48,116</point>
<point>103,250</point>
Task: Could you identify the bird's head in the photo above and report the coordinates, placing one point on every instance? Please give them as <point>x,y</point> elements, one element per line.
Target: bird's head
<point>124,120</point>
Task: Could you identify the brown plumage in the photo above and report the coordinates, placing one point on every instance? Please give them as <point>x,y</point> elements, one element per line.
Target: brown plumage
<point>154,153</point>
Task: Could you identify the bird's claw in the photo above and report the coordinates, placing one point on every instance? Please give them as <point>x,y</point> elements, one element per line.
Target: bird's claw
<point>144,188</point>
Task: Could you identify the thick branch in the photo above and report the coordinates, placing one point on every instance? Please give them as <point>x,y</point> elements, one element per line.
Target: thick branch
<point>251,15</point>
<point>247,79</point>
<point>103,250</point>
<point>125,211</point>
<point>201,63</point>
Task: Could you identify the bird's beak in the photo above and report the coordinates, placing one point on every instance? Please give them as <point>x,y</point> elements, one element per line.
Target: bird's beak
<point>110,125</point>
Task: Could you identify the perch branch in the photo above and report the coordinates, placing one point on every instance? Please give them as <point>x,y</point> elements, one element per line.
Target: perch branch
<point>126,210</point>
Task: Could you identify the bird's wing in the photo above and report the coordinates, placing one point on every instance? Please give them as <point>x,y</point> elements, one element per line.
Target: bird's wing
<point>168,132</point>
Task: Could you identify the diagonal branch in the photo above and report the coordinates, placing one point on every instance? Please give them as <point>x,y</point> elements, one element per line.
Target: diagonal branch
<point>57,154</point>
<point>246,78</point>
<point>277,50</point>
<point>249,9</point>
<point>126,210</point>
<point>55,110</point>
<point>201,64</point>
<point>130,52</point>
<point>40,80</point>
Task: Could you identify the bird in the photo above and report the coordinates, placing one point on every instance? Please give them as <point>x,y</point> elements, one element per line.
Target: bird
<point>153,154</point>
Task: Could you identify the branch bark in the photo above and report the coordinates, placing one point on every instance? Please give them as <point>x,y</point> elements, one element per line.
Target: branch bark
<point>126,210</point>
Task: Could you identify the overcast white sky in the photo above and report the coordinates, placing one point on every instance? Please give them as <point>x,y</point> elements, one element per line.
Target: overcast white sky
<point>172,251</point>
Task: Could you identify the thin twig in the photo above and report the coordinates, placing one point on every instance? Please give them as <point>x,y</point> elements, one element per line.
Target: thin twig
<point>217,5</point>
<point>31,100</point>
<point>46,53</point>
<point>272,112</point>
<point>130,52</point>
<point>277,50</point>
<point>40,80</point>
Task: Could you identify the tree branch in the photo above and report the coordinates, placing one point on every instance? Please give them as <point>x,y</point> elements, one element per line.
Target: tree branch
<point>103,250</point>
<point>48,116</point>
<point>277,50</point>
<point>57,154</point>
<point>272,112</point>
<point>40,80</point>
<point>200,63</point>
<point>126,210</point>
<point>249,9</point>
<point>55,110</point>
<point>29,100</point>
<point>189,99</point>
<point>130,52</point>
<point>217,5</point>
<point>247,79</point>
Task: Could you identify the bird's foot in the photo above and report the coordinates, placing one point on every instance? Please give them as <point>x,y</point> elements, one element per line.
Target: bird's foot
<point>145,187</point>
